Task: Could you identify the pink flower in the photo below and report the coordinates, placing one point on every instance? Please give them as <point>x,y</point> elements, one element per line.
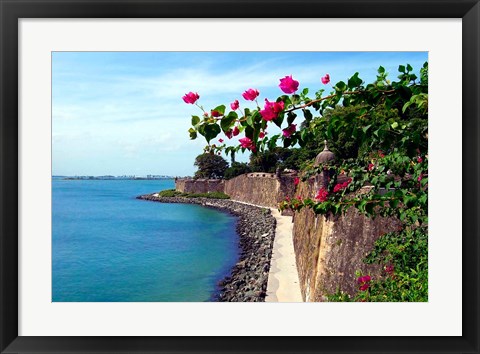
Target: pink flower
<point>322,195</point>
<point>261,135</point>
<point>287,132</point>
<point>325,79</point>
<point>296,181</point>
<point>370,166</point>
<point>288,84</point>
<point>220,141</point>
<point>250,94</point>
<point>420,177</point>
<point>364,282</point>
<point>299,197</point>
<point>229,133</point>
<point>236,131</point>
<point>419,159</point>
<point>389,269</point>
<point>191,97</point>
<point>381,154</point>
<point>271,110</point>
<point>234,105</point>
<point>248,144</point>
<point>341,186</point>
<point>216,114</point>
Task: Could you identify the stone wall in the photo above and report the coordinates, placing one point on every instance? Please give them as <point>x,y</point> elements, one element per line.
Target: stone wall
<point>330,249</point>
<point>199,185</point>
<point>263,189</point>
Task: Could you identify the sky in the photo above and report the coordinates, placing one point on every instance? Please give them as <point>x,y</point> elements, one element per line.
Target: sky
<point>122,113</point>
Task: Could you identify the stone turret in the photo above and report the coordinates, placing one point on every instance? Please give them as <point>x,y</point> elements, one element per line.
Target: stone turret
<point>324,157</point>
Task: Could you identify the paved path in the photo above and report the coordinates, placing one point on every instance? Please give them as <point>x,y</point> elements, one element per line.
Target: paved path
<point>283,284</point>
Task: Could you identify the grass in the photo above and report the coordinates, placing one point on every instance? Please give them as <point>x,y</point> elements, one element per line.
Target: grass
<point>173,193</point>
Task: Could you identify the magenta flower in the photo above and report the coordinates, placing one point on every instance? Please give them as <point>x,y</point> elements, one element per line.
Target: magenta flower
<point>296,181</point>
<point>419,159</point>
<point>250,94</point>
<point>364,282</point>
<point>420,177</point>
<point>236,131</point>
<point>288,84</point>
<point>190,97</point>
<point>261,135</point>
<point>229,133</point>
<point>234,105</point>
<point>325,79</point>
<point>370,166</point>
<point>245,142</point>
<point>220,141</point>
<point>287,132</point>
<point>389,269</point>
<point>271,110</point>
<point>216,114</point>
<point>341,186</point>
<point>322,195</point>
<point>248,144</point>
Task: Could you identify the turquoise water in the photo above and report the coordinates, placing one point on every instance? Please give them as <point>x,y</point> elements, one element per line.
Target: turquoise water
<point>109,246</point>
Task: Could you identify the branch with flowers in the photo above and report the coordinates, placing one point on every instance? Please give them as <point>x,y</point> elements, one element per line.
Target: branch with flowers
<point>388,175</point>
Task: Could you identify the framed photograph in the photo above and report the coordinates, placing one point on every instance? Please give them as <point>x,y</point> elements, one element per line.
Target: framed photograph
<point>102,102</point>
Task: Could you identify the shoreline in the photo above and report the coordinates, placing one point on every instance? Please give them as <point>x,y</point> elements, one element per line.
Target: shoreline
<point>248,278</point>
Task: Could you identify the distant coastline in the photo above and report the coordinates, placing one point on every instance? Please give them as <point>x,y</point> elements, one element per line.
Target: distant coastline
<point>110,178</point>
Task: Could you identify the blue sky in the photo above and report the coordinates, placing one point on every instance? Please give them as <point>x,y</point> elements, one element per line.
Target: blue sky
<point>122,113</point>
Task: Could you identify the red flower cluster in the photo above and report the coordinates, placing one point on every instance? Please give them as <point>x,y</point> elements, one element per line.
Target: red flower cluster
<point>234,105</point>
<point>419,159</point>
<point>247,143</point>
<point>261,135</point>
<point>322,195</point>
<point>325,79</point>
<point>296,181</point>
<point>250,94</point>
<point>287,132</point>
<point>190,97</point>
<point>389,269</point>
<point>370,166</point>
<point>271,110</point>
<point>288,84</point>
<point>229,133</point>
<point>341,186</point>
<point>216,114</point>
<point>364,282</point>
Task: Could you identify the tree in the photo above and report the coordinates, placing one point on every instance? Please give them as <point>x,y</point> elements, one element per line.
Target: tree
<point>210,166</point>
<point>237,169</point>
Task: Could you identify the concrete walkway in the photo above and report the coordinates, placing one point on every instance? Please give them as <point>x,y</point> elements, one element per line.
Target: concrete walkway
<point>283,284</point>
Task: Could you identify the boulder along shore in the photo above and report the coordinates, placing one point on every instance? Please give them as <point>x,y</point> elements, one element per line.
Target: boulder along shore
<point>247,281</point>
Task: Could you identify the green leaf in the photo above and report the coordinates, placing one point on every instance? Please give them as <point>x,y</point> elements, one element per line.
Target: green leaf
<point>394,125</point>
<point>409,67</point>
<point>341,86</point>
<point>291,117</point>
<point>211,131</point>
<point>381,70</point>
<point>305,91</point>
<point>279,120</point>
<point>220,109</point>
<point>354,81</point>
<point>401,68</point>
<point>227,121</point>
<point>193,133</point>
<point>195,120</point>
<point>307,114</point>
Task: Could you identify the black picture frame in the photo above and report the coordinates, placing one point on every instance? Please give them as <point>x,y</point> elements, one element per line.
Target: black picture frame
<point>12,10</point>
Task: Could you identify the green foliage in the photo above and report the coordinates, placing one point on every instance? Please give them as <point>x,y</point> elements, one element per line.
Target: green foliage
<point>237,169</point>
<point>169,193</point>
<point>210,166</point>
<point>379,134</point>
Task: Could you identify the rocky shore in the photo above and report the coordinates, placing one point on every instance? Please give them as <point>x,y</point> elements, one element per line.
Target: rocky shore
<point>256,230</point>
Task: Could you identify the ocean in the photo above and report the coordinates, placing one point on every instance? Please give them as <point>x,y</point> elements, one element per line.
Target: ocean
<point>108,246</point>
